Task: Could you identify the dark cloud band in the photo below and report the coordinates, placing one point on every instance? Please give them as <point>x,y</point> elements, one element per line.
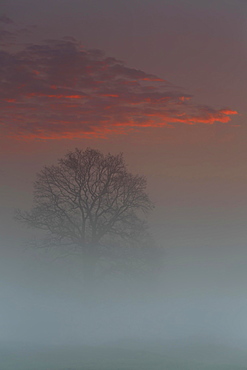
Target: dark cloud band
<point>58,89</point>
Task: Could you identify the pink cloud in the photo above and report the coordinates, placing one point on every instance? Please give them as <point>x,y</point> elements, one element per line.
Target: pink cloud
<point>58,89</point>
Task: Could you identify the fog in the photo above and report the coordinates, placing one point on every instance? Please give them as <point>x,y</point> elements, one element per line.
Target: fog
<point>191,314</point>
<point>193,311</point>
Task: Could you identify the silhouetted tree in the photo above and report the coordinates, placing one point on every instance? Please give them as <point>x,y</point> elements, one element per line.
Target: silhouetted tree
<point>89,201</point>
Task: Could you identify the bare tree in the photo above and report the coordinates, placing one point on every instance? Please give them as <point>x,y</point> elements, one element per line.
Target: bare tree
<point>90,202</point>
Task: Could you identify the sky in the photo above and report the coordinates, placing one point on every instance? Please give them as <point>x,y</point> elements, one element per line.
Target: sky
<point>164,83</point>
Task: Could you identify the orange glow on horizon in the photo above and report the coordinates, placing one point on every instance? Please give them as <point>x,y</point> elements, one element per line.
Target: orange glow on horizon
<point>110,95</point>
<point>59,96</point>
<point>184,98</point>
<point>156,79</point>
<point>10,100</point>
<point>228,111</point>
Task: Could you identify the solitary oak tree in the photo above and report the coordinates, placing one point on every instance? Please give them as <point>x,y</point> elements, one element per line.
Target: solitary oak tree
<point>91,202</point>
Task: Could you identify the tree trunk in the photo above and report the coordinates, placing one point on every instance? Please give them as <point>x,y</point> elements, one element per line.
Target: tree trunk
<point>90,262</point>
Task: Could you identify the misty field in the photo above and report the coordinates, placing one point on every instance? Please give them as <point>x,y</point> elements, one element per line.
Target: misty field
<point>103,358</point>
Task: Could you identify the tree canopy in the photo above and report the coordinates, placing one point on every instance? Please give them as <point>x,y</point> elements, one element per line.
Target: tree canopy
<point>89,201</point>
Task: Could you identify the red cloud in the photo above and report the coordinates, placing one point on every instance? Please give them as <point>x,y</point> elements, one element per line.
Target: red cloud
<point>58,89</point>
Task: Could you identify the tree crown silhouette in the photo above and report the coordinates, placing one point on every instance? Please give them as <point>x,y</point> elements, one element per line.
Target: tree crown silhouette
<point>87,199</point>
